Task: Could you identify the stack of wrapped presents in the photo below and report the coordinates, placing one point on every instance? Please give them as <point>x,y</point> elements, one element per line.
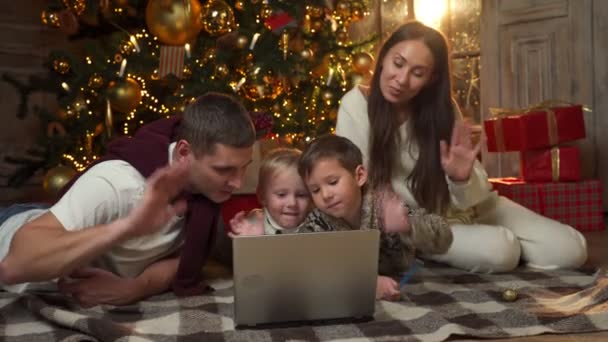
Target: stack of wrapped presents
<point>550,180</point>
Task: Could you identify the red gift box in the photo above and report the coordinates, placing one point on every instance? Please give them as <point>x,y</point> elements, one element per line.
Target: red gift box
<point>551,165</point>
<point>533,128</point>
<point>578,204</point>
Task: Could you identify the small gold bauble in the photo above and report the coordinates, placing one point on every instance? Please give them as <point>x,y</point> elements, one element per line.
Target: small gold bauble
<point>174,22</point>
<point>239,5</point>
<point>242,41</point>
<point>327,96</point>
<point>95,81</point>
<point>510,295</point>
<point>307,54</point>
<point>124,95</point>
<point>362,62</point>
<point>61,65</point>
<point>56,178</point>
<point>50,19</point>
<point>118,58</point>
<point>217,18</point>
<point>76,6</point>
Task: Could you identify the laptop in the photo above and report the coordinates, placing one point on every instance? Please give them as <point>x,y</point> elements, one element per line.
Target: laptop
<point>305,277</point>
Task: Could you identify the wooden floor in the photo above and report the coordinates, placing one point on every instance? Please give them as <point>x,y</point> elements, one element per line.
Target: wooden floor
<point>597,243</point>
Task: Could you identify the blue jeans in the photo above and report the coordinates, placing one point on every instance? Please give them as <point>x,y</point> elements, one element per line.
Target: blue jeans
<point>6,212</point>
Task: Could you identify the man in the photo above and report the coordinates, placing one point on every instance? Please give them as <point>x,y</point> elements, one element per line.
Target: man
<point>130,229</point>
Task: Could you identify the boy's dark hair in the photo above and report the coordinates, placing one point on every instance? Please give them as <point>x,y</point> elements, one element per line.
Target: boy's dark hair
<point>215,118</point>
<point>332,147</point>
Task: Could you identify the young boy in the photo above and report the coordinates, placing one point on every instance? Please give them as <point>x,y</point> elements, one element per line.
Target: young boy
<point>332,169</point>
<point>282,193</point>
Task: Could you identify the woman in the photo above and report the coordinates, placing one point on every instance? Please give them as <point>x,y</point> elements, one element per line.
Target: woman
<point>412,138</point>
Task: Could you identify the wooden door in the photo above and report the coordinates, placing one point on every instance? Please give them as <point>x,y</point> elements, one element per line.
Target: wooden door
<point>535,50</point>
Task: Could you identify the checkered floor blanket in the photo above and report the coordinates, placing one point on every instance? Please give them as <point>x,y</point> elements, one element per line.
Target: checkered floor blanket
<point>437,303</point>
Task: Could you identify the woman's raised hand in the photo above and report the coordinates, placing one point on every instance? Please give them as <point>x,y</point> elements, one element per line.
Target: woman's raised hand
<point>457,159</point>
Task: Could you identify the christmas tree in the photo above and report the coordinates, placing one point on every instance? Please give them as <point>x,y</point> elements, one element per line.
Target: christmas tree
<point>289,61</point>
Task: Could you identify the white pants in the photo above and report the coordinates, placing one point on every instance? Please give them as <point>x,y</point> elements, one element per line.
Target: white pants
<point>505,232</point>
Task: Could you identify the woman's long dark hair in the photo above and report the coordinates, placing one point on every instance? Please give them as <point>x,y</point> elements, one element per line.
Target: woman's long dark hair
<point>432,120</point>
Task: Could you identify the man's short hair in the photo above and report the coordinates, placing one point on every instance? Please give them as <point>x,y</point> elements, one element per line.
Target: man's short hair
<point>216,118</point>
<point>331,147</point>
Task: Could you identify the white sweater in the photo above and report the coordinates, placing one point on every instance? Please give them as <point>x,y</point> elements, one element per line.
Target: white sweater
<point>353,123</point>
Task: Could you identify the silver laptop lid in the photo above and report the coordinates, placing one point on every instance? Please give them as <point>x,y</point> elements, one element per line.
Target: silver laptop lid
<point>301,277</point>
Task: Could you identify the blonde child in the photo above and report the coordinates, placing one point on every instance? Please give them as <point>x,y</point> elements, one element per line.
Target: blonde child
<point>282,193</point>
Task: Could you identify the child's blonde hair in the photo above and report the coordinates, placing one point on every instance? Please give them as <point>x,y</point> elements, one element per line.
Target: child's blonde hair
<point>277,159</point>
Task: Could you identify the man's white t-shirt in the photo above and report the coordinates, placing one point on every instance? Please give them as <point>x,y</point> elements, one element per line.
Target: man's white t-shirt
<point>106,192</point>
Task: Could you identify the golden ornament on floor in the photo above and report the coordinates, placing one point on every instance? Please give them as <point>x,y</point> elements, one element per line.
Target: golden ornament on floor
<point>124,95</point>
<point>510,295</point>
<point>174,22</point>
<point>217,18</point>
<point>61,65</point>
<point>56,178</point>
<point>95,81</point>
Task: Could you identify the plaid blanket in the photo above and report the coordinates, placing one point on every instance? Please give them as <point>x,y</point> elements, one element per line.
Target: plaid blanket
<point>447,303</point>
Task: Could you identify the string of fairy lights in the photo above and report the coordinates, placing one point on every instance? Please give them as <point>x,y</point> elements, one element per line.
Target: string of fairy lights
<point>283,99</point>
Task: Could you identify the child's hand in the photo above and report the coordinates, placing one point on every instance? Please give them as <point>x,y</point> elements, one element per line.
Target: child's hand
<point>387,288</point>
<point>251,224</point>
<point>395,214</point>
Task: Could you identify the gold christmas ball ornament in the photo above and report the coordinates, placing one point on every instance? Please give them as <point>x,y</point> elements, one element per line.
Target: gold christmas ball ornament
<point>50,19</point>
<point>124,95</point>
<point>327,96</point>
<point>242,42</point>
<point>239,5</point>
<point>362,62</point>
<point>95,81</point>
<point>56,178</point>
<point>61,65</point>
<point>174,22</point>
<point>307,55</point>
<point>509,295</point>
<point>76,6</point>
<point>263,85</point>
<point>217,18</point>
